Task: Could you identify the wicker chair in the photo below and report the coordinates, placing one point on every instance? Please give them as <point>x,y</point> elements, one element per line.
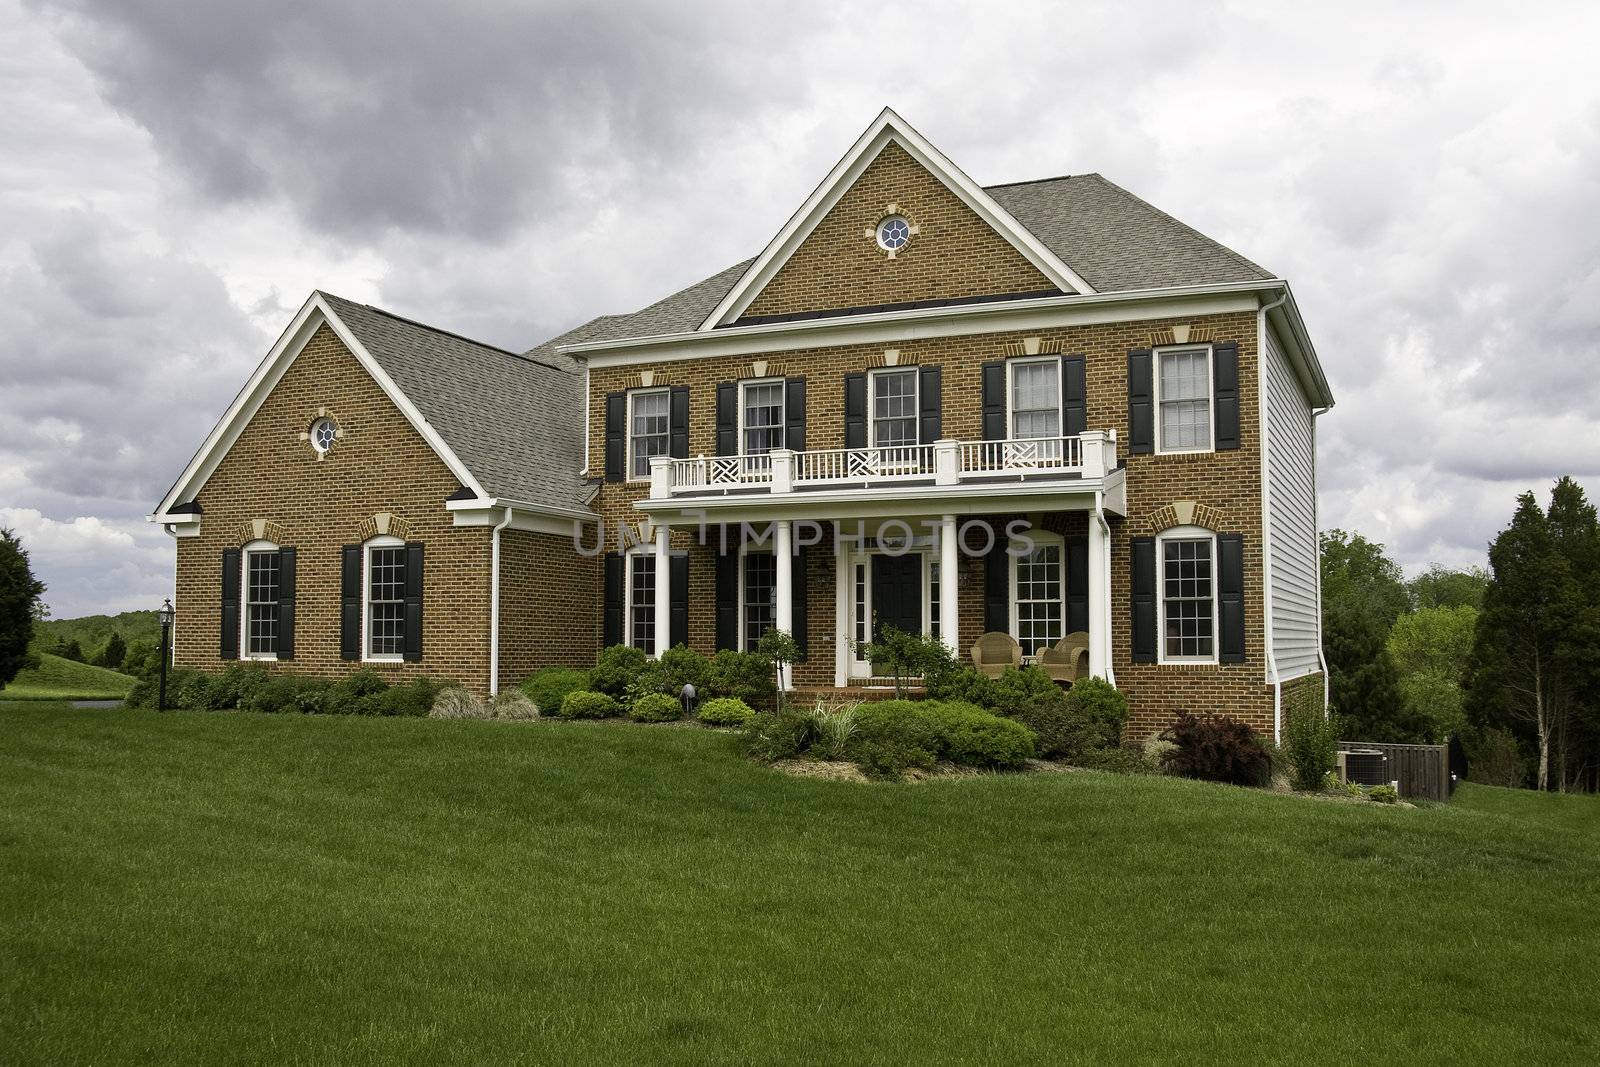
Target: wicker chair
<point>1068,659</point>
<point>994,652</point>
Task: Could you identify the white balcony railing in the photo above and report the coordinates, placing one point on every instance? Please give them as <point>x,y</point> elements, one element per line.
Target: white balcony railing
<point>1088,455</point>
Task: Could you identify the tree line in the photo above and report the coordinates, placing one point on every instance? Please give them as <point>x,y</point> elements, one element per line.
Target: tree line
<point>1507,659</point>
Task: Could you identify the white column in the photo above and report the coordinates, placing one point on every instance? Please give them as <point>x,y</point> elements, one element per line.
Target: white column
<point>783,593</point>
<point>660,477</point>
<point>949,586</point>
<point>1094,453</point>
<point>782,470</point>
<point>946,462</point>
<point>1099,638</point>
<point>663,590</point>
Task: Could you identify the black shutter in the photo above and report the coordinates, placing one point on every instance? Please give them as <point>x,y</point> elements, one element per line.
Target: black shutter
<point>1074,397</point>
<point>1078,584</point>
<point>350,602</point>
<point>616,436</point>
<point>728,600</point>
<point>855,411</point>
<point>1230,598</point>
<point>286,581</point>
<point>997,588</point>
<point>797,603</point>
<point>611,626</point>
<point>794,414</point>
<point>727,418</point>
<point>678,426</point>
<point>678,592</point>
<point>994,401</point>
<point>1141,402</point>
<point>412,646</point>
<point>930,401</point>
<point>1143,557</point>
<point>1225,382</point>
<point>229,645</point>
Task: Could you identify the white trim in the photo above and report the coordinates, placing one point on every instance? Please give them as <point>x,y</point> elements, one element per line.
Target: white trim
<point>312,314</point>
<point>783,411</point>
<point>1039,538</point>
<point>757,550</point>
<point>367,655</point>
<point>1184,533</point>
<point>260,547</point>
<point>627,430</point>
<point>1061,415</point>
<point>872,403</point>
<point>1211,397</point>
<point>646,551</point>
<point>887,127</point>
<point>1264,428</point>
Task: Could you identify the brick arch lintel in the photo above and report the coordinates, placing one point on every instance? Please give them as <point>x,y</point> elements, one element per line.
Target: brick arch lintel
<point>383,524</point>
<point>1180,513</point>
<point>259,530</point>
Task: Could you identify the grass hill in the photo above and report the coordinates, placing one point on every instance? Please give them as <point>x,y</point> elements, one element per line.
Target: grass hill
<point>196,886</point>
<point>93,631</point>
<point>64,679</point>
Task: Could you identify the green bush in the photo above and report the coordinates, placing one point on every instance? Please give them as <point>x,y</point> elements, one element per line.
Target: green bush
<point>1015,691</point>
<point>618,667</point>
<point>656,707</point>
<point>412,700</point>
<point>356,693</point>
<point>1100,711</point>
<point>588,704</point>
<point>549,686</point>
<point>745,675</point>
<point>677,667</point>
<point>893,736</point>
<point>1055,727</point>
<point>287,693</point>
<point>972,737</point>
<point>1384,794</point>
<point>1312,747</point>
<point>957,681</point>
<point>725,711</point>
<point>782,735</point>
<point>1216,749</point>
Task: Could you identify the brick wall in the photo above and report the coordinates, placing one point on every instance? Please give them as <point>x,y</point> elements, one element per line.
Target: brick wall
<point>954,254</point>
<point>549,605</point>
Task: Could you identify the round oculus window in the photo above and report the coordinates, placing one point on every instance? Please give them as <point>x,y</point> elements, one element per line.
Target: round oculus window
<point>323,434</point>
<point>893,233</point>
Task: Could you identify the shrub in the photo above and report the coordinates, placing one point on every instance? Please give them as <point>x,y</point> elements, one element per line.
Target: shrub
<point>905,654</point>
<point>588,704</point>
<point>725,711</point>
<point>1120,759</point>
<point>677,667</point>
<point>956,681</point>
<point>511,704</point>
<point>1100,710</point>
<point>835,725</point>
<point>1015,691</point>
<point>549,686</point>
<point>891,737</point>
<point>783,735</point>
<point>1216,749</point>
<point>414,700</point>
<point>746,675</point>
<point>455,702</point>
<point>618,667</point>
<point>656,707</point>
<point>356,694</point>
<point>970,736</point>
<point>192,690</point>
<point>1311,747</point>
<point>287,693</point>
<point>1384,794</point>
<point>1055,729</point>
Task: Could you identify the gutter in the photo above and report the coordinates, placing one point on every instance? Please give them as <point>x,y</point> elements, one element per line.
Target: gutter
<point>494,604</point>
<point>1105,578</point>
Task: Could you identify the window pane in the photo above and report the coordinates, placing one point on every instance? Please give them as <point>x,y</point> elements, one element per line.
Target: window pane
<point>648,429</point>
<point>1040,605</point>
<point>642,602</point>
<point>763,417</point>
<point>1036,399</point>
<point>894,409</point>
<point>1186,598</point>
<point>760,583</point>
<point>261,603</point>
<point>1185,400</point>
<point>386,601</point>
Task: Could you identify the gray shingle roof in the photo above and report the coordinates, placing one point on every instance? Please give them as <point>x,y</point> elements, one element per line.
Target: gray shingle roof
<point>1115,240</point>
<point>515,421</point>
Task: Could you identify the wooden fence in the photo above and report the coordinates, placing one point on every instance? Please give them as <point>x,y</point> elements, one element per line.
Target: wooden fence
<point>1423,771</point>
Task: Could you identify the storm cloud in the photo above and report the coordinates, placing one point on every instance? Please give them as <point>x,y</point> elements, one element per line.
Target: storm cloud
<point>178,176</point>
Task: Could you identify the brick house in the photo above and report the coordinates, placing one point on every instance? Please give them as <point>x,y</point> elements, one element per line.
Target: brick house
<point>1040,409</point>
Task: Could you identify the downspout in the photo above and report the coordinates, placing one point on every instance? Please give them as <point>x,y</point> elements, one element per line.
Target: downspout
<point>1105,578</point>
<point>1274,679</point>
<point>494,604</point>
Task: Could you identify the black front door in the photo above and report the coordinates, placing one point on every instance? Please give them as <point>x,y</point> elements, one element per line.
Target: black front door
<point>896,594</point>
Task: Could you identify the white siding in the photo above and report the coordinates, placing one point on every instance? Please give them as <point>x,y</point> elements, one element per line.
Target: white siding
<point>1291,518</point>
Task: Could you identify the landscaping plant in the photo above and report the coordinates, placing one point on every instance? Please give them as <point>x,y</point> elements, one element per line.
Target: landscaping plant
<point>617,669</point>
<point>1216,748</point>
<point>1312,746</point>
<point>746,675</point>
<point>725,711</point>
<point>656,707</point>
<point>588,704</point>
<point>549,686</point>
<point>779,648</point>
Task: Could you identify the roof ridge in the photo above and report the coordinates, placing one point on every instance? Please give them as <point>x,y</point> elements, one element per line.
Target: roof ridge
<point>1039,181</point>
<point>1136,198</point>
<point>446,333</point>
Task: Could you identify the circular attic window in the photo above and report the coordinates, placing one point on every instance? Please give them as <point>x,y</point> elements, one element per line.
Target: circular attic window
<point>893,233</point>
<point>323,434</point>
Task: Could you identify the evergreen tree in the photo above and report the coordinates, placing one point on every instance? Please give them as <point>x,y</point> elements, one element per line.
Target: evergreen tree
<point>1364,685</point>
<point>19,605</point>
<point>116,650</point>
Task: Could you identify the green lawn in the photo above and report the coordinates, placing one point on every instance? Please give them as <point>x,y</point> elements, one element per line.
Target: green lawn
<point>1571,811</point>
<point>277,888</point>
<point>65,679</point>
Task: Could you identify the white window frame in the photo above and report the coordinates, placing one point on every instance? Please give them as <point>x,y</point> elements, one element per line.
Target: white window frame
<point>629,436</point>
<point>1183,533</point>
<point>1011,395</point>
<point>255,548</point>
<point>745,552</point>
<point>783,411</point>
<point>1211,399</point>
<point>367,655</point>
<point>1039,538</point>
<point>873,377</point>
<point>629,558</point>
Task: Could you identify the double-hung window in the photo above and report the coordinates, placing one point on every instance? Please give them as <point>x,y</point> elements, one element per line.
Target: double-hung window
<point>642,600</point>
<point>649,426</point>
<point>1183,400</point>
<point>759,583</point>
<point>386,599</point>
<point>1039,595</point>
<point>1035,398</point>
<point>761,416</point>
<point>894,407</point>
<point>262,568</point>
<point>1188,596</point>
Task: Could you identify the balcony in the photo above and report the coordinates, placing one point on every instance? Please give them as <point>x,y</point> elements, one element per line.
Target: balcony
<point>1084,462</point>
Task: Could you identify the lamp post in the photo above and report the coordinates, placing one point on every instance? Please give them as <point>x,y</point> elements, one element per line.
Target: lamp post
<point>167,613</point>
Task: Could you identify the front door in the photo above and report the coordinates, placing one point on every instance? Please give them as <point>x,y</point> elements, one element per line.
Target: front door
<point>897,593</point>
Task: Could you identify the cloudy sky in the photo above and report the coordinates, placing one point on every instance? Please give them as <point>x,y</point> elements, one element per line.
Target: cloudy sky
<point>176,177</point>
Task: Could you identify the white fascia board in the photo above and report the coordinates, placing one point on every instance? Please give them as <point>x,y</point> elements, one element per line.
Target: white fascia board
<point>312,314</point>
<point>888,502</point>
<point>1291,331</point>
<point>534,518</point>
<point>915,323</point>
<point>887,127</point>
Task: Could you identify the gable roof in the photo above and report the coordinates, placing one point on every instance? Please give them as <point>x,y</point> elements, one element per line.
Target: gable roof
<point>473,403</point>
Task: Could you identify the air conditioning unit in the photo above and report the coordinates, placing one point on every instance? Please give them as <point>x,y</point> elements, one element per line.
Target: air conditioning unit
<point>1364,766</point>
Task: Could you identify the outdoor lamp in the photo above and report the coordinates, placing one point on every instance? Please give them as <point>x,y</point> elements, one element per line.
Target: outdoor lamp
<point>168,615</point>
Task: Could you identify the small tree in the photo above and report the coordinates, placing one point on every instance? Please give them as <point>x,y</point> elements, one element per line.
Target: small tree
<point>779,646</point>
<point>1431,648</point>
<point>116,651</point>
<point>19,605</point>
<point>905,654</point>
<point>68,649</point>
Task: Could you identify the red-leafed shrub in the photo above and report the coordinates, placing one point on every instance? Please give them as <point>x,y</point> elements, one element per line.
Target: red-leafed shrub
<point>1216,748</point>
